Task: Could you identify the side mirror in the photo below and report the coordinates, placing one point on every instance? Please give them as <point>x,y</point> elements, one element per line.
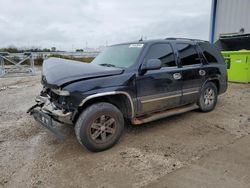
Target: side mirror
<point>151,64</point>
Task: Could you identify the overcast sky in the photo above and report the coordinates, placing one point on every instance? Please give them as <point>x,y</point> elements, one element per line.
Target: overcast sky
<point>68,24</point>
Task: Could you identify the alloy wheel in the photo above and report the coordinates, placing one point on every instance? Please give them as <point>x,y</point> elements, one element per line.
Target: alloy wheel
<point>103,129</point>
<point>209,97</point>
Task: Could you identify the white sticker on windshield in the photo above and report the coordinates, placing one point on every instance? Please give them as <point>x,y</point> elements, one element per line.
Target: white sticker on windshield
<point>135,45</point>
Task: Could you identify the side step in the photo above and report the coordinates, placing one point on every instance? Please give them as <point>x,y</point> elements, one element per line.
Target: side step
<point>163,114</point>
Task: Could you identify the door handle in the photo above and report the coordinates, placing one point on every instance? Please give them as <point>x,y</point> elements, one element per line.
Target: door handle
<point>177,76</point>
<point>202,72</point>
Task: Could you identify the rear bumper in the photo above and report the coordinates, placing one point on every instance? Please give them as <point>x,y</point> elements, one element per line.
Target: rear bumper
<point>46,113</point>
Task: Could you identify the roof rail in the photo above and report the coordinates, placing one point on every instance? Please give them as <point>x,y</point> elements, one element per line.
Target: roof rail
<point>173,38</point>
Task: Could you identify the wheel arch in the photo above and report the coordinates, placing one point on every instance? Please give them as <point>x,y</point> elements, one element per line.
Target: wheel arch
<point>215,81</point>
<point>122,100</point>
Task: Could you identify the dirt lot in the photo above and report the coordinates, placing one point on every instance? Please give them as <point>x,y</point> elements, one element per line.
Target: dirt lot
<point>189,150</point>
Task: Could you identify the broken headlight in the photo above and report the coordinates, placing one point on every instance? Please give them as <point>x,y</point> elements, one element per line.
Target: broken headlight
<point>60,92</point>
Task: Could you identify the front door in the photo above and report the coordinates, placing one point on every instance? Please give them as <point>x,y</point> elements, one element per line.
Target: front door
<point>159,89</point>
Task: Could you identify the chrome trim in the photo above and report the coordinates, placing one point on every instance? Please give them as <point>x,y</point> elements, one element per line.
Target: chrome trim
<point>177,76</point>
<point>191,89</point>
<point>187,92</point>
<point>202,72</point>
<point>160,98</point>
<point>111,93</point>
<point>191,92</point>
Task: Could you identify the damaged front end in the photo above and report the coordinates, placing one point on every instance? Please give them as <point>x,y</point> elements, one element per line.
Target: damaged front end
<point>57,104</point>
<point>50,108</point>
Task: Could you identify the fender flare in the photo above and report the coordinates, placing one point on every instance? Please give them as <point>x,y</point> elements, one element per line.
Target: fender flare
<point>108,94</point>
<point>210,79</point>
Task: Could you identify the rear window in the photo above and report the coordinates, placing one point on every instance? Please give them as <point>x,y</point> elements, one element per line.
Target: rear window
<point>188,54</point>
<point>212,55</point>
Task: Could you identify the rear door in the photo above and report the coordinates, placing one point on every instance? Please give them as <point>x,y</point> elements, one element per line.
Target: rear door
<point>192,71</point>
<point>159,89</point>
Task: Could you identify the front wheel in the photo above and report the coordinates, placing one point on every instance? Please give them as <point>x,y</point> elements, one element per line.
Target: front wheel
<point>99,126</point>
<point>208,97</point>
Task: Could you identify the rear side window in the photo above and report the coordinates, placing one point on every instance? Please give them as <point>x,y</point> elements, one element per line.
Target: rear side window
<point>188,54</point>
<point>163,52</point>
<point>210,52</point>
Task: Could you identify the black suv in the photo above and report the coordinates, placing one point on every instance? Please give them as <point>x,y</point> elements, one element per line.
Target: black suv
<point>138,82</point>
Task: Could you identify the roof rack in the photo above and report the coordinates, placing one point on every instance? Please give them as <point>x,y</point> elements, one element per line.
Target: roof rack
<point>173,38</point>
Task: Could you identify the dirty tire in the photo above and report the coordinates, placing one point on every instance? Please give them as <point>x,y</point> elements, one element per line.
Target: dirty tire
<point>99,127</point>
<point>208,97</point>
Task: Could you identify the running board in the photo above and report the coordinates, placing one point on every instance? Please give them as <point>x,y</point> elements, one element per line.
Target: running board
<point>163,114</point>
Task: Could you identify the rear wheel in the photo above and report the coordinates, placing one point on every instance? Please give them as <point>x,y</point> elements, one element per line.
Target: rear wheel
<point>99,126</point>
<point>208,97</point>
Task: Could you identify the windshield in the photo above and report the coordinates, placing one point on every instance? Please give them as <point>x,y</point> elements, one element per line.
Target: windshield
<point>122,56</point>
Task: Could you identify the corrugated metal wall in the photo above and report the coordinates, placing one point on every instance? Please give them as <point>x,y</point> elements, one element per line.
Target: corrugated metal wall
<point>231,16</point>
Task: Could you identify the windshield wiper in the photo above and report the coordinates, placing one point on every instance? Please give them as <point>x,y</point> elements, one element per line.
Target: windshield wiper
<point>107,65</point>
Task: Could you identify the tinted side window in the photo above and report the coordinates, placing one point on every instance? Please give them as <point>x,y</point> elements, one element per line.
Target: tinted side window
<point>163,52</point>
<point>188,54</point>
<point>211,54</point>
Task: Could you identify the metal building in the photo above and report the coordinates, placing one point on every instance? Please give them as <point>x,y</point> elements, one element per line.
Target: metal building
<point>229,17</point>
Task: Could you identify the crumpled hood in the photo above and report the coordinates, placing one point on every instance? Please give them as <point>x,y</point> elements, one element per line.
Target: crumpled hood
<point>57,72</point>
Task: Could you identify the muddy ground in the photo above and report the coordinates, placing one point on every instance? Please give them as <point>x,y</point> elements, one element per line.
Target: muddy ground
<point>189,150</point>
